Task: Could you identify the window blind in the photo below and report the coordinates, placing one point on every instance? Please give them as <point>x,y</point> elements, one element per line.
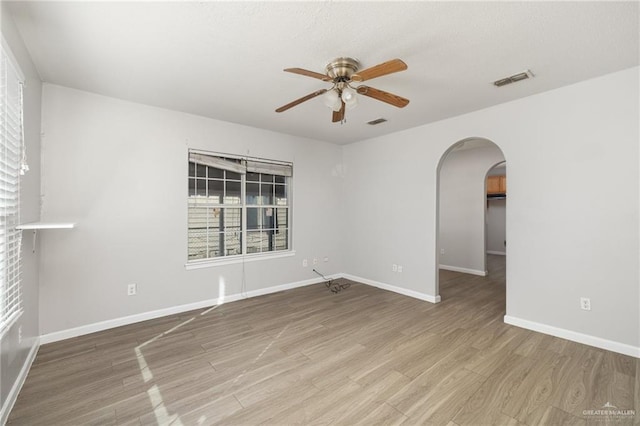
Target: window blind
<point>11,158</point>
<point>280,169</point>
<point>217,162</point>
<point>269,168</point>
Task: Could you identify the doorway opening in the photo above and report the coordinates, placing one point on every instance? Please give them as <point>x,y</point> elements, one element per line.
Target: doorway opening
<point>471,219</point>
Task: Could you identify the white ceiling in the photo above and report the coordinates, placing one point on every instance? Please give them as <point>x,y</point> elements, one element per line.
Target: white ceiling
<point>224,60</point>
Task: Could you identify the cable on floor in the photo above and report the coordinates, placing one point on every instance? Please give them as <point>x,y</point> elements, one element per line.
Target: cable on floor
<point>334,285</point>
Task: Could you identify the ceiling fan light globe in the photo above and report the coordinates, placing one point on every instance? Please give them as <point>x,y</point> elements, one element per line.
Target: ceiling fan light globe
<point>348,94</point>
<point>353,102</point>
<point>349,97</point>
<point>332,100</point>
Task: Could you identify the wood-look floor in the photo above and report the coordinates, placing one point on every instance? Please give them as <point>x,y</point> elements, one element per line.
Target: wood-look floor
<point>308,356</point>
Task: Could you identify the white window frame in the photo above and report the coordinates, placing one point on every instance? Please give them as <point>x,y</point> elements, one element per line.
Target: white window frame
<point>12,165</point>
<point>256,165</point>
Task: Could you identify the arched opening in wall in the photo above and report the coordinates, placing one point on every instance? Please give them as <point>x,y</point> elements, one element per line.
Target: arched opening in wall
<point>470,224</point>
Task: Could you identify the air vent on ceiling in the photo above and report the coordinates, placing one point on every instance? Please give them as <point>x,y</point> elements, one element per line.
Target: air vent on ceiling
<point>377,121</point>
<point>514,78</point>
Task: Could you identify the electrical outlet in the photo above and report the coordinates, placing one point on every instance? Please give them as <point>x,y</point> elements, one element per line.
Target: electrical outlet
<point>399,268</point>
<point>19,334</point>
<point>315,260</point>
<point>441,251</point>
<point>326,259</point>
<point>394,268</point>
<point>585,303</point>
<point>132,289</point>
<point>305,263</point>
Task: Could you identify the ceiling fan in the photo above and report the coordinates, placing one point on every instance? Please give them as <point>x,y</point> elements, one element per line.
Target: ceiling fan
<point>341,96</point>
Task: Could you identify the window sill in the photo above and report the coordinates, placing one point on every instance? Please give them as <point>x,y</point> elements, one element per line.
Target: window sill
<point>209,263</point>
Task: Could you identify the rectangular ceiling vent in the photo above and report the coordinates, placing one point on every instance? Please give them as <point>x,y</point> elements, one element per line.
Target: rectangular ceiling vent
<point>377,121</point>
<point>514,78</point>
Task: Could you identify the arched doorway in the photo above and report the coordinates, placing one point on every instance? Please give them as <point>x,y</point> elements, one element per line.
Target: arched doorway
<point>461,208</point>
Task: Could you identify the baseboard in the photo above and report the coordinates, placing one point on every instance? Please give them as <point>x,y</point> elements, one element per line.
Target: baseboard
<point>463,270</point>
<point>395,289</point>
<point>131,319</point>
<point>586,339</point>
<point>145,316</point>
<point>499,253</point>
<point>17,385</point>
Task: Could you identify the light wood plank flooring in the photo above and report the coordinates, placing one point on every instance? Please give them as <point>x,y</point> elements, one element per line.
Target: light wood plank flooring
<point>308,356</point>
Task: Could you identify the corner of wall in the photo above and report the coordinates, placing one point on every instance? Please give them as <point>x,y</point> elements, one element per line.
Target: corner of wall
<point>12,396</point>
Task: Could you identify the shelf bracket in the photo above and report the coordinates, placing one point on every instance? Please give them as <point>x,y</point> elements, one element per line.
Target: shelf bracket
<point>35,238</point>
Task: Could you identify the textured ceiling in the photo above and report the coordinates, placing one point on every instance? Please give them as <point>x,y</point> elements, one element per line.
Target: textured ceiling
<point>224,60</point>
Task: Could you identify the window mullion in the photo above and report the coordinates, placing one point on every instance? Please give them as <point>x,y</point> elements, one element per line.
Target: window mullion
<point>243,203</point>
<point>287,189</point>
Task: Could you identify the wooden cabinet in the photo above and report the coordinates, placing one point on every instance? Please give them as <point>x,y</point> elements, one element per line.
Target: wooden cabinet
<point>496,185</point>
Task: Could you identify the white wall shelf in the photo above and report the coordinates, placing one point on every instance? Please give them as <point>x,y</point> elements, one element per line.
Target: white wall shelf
<point>46,225</point>
<point>38,226</point>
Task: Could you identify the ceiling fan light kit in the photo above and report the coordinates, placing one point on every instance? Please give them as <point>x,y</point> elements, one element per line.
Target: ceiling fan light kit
<point>342,96</point>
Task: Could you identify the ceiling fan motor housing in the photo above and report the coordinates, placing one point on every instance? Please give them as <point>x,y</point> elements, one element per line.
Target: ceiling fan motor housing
<point>341,69</point>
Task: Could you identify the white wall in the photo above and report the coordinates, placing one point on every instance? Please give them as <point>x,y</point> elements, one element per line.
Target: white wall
<point>565,148</point>
<point>496,226</point>
<point>119,170</point>
<point>462,205</point>
<point>15,354</point>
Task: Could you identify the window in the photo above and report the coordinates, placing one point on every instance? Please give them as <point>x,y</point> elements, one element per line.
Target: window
<point>237,206</point>
<point>11,166</point>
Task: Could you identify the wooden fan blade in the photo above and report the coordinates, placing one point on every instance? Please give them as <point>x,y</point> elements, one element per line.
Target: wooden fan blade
<point>339,115</point>
<point>308,73</point>
<point>301,100</point>
<point>381,95</point>
<point>379,70</point>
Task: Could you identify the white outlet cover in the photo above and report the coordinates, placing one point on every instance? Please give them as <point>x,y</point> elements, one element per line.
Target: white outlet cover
<point>305,263</point>
<point>394,268</point>
<point>399,268</point>
<point>585,303</point>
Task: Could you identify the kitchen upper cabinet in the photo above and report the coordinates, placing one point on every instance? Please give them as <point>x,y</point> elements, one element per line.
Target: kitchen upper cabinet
<point>496,185</point>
